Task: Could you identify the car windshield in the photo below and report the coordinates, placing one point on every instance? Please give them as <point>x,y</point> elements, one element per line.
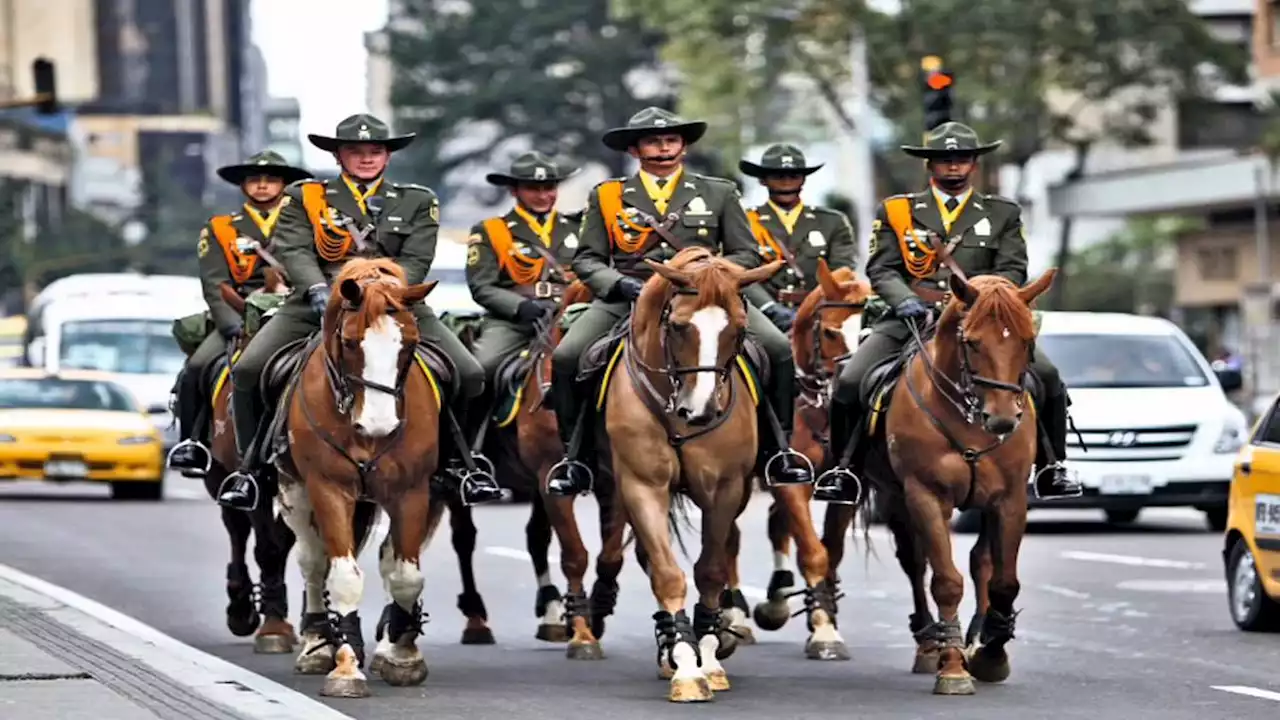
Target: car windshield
<point>1122,361</point>
<point>121,346</point>
<point>61,394</point>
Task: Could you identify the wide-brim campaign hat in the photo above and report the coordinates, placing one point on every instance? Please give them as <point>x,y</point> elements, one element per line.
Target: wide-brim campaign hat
<point>266,162</point>
<point>653,121</point>
<point>362,128</point>
<point>949,139</point>
<point>531,167</point>
<point>780,159</point>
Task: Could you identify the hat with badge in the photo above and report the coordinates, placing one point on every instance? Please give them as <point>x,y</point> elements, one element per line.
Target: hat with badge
<point>268,163</point>
<point>780,159</point>
<point>531,167</point>
<point>362,128</point>
<point>653,121</point>
<point>950,139</point>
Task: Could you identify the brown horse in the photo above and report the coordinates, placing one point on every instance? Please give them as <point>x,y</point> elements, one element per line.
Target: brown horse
<point>681,358</point>
<point>363,424</point>
<point>827,327</point>
<point>958,434</point>
<point>273,538</point>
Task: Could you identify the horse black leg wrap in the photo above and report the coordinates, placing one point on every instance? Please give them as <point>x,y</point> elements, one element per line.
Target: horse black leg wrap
<point>668,630</point>
<point>734,598</point>
<point>779,581</point>
<point>822,596</point>
<point>547,594</point>
<point>346,629</point>
<point>576,605</point>
<point>997,628</point>
<point>472,605</point>
<point>920,621</point>
<point>396,622</point>
<point>275,600</point>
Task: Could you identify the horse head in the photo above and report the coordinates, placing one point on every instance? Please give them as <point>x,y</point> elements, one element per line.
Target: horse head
<point>694,309</point>
<point>829,321</point>
<point>369,338</point>
<point>987,331</point>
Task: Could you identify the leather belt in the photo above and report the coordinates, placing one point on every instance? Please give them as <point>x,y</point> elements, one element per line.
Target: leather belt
<point>541,290</point>
<point>792,297</point>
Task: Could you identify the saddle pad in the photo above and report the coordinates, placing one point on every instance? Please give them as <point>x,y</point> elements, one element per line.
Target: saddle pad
<point>223,375</point>
<point>509,382</point>
<point>430,374</point>
<point>748,376</point>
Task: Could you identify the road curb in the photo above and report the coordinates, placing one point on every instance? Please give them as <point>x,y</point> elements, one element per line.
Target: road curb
<point>242,691</point>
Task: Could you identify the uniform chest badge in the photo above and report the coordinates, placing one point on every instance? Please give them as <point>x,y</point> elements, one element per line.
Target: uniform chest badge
<point>983,227</point>
<point>816,239</point>
<point>698,206</point>
<point>244,245</point>
<point>571,241</point>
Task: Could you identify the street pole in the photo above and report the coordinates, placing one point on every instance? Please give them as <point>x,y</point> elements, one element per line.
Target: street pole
<point>862,185</point>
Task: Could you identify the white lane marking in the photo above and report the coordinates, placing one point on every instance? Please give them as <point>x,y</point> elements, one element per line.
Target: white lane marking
<point>212,677</point>
<point>1215,586</point>
<point>1249,691</point>
<point>179,492</point>
<point>1064,592</point>
<point>1131,560</point>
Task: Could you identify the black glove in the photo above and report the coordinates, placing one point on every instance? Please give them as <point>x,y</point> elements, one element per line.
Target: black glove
<point>628,288</point>
<point>232,332</point>
<point>530,310</point>
<point>911,308</point>
<point>780,315</point>
<point>318,297</point>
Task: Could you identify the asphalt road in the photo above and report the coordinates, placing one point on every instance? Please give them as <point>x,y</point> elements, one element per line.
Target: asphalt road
<point>1118,623</point>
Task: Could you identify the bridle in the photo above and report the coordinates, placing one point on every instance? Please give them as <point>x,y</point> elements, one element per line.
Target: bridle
<point>818,385</point>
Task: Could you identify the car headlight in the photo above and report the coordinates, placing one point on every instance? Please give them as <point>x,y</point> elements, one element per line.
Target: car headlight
<point>136,440</point>
<point>1231,439</point>
<point>7,438</point>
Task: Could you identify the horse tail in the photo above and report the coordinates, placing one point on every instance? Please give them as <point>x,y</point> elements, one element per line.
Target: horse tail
<point>677,515</point>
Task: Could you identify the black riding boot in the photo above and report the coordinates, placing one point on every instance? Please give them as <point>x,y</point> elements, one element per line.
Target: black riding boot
<point>240,489</point>
<point>476,486</point>
<point>571,476</point>
<point>1053,479</point>
<point>190,455</point>
<point>840,484</point>
<point>782,465</point>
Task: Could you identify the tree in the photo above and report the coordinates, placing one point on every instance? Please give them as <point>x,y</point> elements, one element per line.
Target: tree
<point>1130,272</point>
<point>470,76</point>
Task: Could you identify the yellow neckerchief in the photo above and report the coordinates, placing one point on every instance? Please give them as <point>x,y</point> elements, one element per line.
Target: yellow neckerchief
<point>369,191</point>
<point>543,230</point>
<point>790,217</point>
<point>661,196</point>
<point>949,218</point>
<point>268,224</point>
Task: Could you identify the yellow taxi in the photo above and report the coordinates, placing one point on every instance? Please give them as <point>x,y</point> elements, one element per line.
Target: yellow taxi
<point>1252,550</point>
<point>78,426</point>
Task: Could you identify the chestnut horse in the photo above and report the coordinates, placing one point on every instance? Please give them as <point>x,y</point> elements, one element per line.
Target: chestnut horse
<point>363,425</point>
<point>958,434</point>
<point>690,320</point>
<point>272,537</point>
<point>827,327</point>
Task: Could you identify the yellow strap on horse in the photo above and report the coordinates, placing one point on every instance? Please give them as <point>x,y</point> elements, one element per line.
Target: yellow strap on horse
<point>522,270</point>
<point>747,377</point>
<point>241,265</point>
<point>222,378</point>
<point>763,236</point>
<point>610,195</point>
<point>332,242</point>
<point>921,263</point>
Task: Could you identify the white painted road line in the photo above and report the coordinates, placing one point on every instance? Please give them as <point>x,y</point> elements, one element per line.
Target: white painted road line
<point>1249,691</point>
<point>1131,560</point>
<point>216,679</point>
<point>1064,592</point>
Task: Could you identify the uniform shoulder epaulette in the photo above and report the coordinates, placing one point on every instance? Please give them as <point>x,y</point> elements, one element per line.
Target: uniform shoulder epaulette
<point>413,186</point>
<point>303,181</point>
<point>606,181</point>
<point>714,179</point>
<point>999,198</point>
<point>908,196</point>
<point>824,210</point>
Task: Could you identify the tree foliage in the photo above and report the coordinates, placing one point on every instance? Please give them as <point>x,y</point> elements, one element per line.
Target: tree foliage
<point>1131,272</point>
<point>557,73</point>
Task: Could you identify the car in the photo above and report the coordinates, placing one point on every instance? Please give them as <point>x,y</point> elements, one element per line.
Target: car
<point>1251,545</point>
<point>78,426</point>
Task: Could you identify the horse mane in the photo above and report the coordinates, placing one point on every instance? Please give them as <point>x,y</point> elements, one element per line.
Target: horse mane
<point>998,304</point>
<point>380,278</point>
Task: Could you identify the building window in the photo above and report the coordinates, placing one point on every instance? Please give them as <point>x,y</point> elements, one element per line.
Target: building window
<point>1217,263</point>
<point>1208,124</point>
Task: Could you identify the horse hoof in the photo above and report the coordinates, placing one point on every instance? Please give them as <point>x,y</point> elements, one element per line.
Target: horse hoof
<point>744,634</point>
<point>272,644</point>
<point>953,685</point>
<point>244,626</point>
<point>771,615</point>
<point>926,663</point>
<point>584,651</point>
<point>345,687</point>
<point>718,680</point>
<point>320,662</point>
<point>826,651</point>
<point>685,690</point>
<point>989,665</point>
<point>402,674</point>
<point>727,646</point>
<point>477,636</point>
<point>378,664</point>
<point>557,633</point>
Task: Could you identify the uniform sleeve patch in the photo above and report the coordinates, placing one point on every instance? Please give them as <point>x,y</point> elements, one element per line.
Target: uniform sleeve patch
<point>202,248</point>
<point>473,256</point>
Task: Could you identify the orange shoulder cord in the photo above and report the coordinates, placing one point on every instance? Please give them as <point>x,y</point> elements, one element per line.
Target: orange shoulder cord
<point>763,236</point>
<point>521,269</point>
<point>918,258</point>
<point>610,194</point>
<point>241,265</point>
<point>332,242</point>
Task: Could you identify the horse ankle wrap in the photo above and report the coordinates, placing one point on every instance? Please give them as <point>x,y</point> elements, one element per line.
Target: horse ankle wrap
<point>998,627</point>
<point>671,629</point>
<point>945,633</point>
<point>705,620</point>
<point>396,622</point>
<point>575,605</point>
<point>604,597</point>
<point>472,605</point>
<point>822,596</point>
<point>547,594</point>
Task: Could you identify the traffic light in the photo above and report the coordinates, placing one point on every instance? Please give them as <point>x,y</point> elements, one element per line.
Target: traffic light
<point>46,86</point>
<point>937,92</point>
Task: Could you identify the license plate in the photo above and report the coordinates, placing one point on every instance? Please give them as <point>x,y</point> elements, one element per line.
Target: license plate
<point>66,469</point>
<point>1266,517</point>
<point>1125,485</point>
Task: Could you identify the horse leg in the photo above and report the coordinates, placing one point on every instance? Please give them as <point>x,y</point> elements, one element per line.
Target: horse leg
<point>711,576</point>
<point>980,569</point>
<point>583,644</point>
<point>334,510</point>
<point>315,657</point>
<point>477,630</point>
<point>835,527</point>
<point>911,559</point>
<point>397,659</point>
<point>732,600</point>
<point>929,515</point>
<point>988,660</point>
<point>604,591</point>
<point>824,641</point>
<point>548,606</point>
<point>242,612</point>
<point>272,540</point>
<point>774,612</point>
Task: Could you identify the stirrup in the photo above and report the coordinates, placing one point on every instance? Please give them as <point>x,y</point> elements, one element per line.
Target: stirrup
<point>1071,488</point>
<point>778,464</point>
<point>573,472</point>
<point>239,491</point>
<point>481,479</point>
<point>830,487</point>
<point>195,473</point>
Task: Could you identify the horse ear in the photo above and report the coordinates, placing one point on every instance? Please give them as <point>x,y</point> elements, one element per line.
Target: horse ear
<point>830,288</point>
<point>963,290</point>
<point>415,293</point>
<point>351,291</point>
<point>759,274</point>
<point>231,297</point>
<point>677,277</point>
<point>1030,292</point>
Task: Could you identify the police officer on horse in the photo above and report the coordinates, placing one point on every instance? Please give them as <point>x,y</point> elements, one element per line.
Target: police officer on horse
<point>230,251</point>
<point>652,215</point>
<point>984,236</point>
<point>323,224</point>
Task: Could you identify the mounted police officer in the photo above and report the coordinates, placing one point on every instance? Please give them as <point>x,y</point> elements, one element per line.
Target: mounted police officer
<point>986,237</point>
<point>518,264</point>
<point>800,234</point>
<point>358,214</point>
<point>228,253</point>
<point>653,215</point>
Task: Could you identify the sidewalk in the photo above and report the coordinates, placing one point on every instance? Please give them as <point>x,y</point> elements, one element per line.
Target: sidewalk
<point>65,657</point>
